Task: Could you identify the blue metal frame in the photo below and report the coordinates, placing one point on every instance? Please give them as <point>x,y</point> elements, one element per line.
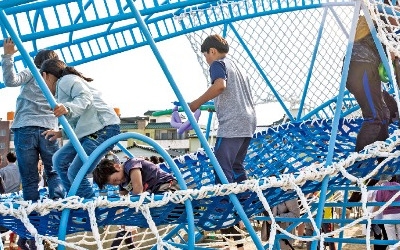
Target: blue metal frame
<point>145,24</point>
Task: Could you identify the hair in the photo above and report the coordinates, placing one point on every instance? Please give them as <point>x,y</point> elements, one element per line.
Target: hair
<point>11,157</point>
<point>59,69</point>
<point>154,159</point>
<point>215,41</point>
<point>102,172</point>
<point>44,55</point>
<point>160,159</point>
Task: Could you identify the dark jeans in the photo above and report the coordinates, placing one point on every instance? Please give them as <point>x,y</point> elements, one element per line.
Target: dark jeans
<point>68,163</point>
<point>29,144</point>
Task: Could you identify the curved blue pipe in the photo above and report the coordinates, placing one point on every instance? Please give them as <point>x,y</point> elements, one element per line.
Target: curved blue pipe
<point>87,167</point>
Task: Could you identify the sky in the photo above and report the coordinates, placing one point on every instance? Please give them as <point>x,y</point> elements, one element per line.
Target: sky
<point>134,82</point>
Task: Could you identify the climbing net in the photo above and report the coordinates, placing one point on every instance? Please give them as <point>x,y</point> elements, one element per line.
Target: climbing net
<point>277,50</point>
<point>386,16</point>
<point>148,220</point>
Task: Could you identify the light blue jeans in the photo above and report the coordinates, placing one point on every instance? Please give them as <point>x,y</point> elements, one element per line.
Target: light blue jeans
<point>68,163</point>
<point>29,144</point>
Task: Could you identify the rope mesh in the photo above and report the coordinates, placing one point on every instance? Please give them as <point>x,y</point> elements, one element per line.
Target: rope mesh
<point>282,46</point>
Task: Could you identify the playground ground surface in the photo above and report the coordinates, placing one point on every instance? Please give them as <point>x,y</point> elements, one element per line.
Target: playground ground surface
<point>354,232</point>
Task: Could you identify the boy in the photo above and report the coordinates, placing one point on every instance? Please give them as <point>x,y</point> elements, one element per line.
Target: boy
<point>136,175</point>
<point>234,106</point>
<point>235,110</point>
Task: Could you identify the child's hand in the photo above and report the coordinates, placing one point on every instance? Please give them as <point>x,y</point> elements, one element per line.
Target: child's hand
<point>9,47</point>
<point>52,135</point>
<point>60,110</point>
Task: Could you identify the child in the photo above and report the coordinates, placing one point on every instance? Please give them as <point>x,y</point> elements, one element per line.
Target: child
<point>92,119</point>
<point>231,91</point>
<point>32,117</point>
<point>136,175</point>
<point>391,212</point>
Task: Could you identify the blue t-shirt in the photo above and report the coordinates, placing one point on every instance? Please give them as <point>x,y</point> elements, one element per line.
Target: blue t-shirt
<point>152,175</point>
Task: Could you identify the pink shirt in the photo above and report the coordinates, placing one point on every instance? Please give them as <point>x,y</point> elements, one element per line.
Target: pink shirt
<point>386,195</point>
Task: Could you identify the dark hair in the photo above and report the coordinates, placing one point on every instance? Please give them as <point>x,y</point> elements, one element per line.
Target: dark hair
<point>59,69</point>
<point>215,41</point>
<point>154,159</point>
<point>11,157</point>
<point>103,170</point>
<point>43,55</point>
<point>160,159</point>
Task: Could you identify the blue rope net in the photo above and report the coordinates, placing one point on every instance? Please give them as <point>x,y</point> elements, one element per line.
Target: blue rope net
<point>279,152</point>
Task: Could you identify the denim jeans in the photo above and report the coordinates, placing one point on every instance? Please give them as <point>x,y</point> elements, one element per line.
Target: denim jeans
<point>68,163</point>
<point>29,144</point>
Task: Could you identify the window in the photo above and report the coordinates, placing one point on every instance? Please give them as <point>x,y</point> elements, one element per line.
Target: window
<point>166,135</point>
<point>3,132</point>
<point>2,145</point>
<point>148,134</point>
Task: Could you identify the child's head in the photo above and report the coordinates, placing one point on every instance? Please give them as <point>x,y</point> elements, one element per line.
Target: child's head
<point>108,172</point>
<point>217,42</point>
<point>43,55</point>
<point>53,66</point>
<point>11,157</point>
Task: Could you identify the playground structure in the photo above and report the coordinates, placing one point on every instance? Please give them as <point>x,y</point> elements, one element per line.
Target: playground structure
<point>293,51</point>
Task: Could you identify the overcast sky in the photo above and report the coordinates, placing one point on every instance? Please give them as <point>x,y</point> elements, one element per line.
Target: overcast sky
<point>134,82</point>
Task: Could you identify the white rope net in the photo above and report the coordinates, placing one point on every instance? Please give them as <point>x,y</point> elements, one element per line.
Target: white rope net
<point>141,238</point>
<point>287,71</point>
<point>386,16</point>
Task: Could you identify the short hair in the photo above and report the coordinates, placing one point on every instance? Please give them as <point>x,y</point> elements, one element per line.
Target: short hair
<point>154,159</point>
<point>43,55</point>
<point>103,171</point>
<point>215,41</point>
<point>11,157</point>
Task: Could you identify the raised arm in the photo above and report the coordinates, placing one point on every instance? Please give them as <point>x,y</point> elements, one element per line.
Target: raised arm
<point>10,77</point>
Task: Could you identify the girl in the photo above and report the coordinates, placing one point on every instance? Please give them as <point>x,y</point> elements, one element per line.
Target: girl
<point>92,120</point>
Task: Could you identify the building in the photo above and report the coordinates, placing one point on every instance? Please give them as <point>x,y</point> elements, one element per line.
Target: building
<point>157,128</point>
<point>6,142</point>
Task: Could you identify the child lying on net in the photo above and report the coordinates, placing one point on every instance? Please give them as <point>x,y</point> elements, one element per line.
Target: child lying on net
<point>136,175</point>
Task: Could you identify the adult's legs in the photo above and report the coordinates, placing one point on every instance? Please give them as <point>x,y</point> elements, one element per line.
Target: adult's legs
<point>391,105</point>
<point>364,83</point>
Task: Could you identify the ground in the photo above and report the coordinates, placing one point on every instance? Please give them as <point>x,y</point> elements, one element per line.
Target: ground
<point>353,232</point>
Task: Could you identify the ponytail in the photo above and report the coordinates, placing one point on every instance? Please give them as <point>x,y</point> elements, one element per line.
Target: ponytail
<point>71,70</point>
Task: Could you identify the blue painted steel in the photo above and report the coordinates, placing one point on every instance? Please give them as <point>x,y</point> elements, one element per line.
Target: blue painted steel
<point>154,16</point>
<point>126,151</point>
<point>145,31</point>
<point>314,56</point>
<point>332,140</point>
<point>50,98</point>
<point>263,74</point>
<point>209,122</point>
<point>165,14</point>
<point>87,167</point>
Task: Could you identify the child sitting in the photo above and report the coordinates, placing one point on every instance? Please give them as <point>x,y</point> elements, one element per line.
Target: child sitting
<point>136,175</point>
